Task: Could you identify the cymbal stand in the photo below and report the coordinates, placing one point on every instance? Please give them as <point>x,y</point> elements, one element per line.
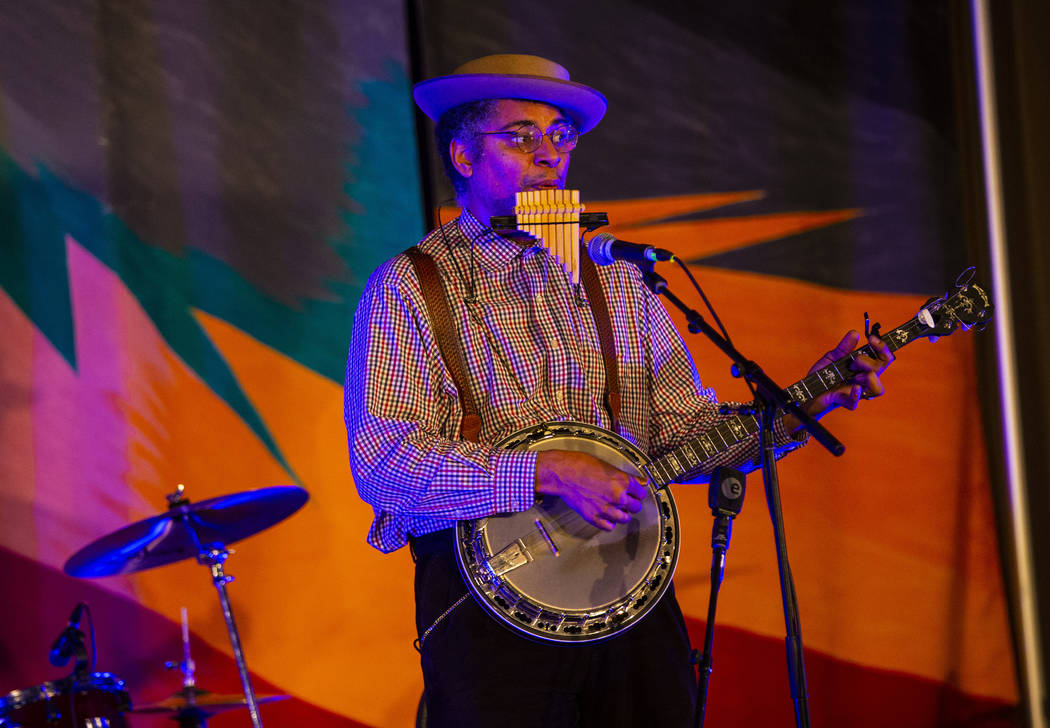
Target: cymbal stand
<point>214,555</point>
<point>190,716</point>
<point>214,559</point>
<point>189,667</point>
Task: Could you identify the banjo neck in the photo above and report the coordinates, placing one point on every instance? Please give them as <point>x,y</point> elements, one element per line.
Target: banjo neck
<point>969,306</point>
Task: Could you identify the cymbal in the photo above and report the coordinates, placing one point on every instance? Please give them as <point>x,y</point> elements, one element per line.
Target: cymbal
<point>202,703</point>
<point>186,530</point>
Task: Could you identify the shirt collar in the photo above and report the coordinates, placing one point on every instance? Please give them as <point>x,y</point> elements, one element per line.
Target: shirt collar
<point>492,251</point>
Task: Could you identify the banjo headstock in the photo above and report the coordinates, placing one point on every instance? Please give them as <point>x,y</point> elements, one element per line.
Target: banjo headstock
<point>970,306</point>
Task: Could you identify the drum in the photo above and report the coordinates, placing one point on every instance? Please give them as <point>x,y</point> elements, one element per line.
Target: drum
<point>97,701</point>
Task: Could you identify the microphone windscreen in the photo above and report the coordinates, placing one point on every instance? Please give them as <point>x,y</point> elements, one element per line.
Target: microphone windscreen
<point>598,248</point>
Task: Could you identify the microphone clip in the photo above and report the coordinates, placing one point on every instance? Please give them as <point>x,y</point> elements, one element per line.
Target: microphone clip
<point>70,642</point>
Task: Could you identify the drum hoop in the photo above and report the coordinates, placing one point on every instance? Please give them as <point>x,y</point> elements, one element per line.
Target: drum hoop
<point>105,682</point>
<point>17,699</point>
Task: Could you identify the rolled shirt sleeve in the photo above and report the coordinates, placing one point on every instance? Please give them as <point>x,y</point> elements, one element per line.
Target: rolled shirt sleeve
<point>403,417</point>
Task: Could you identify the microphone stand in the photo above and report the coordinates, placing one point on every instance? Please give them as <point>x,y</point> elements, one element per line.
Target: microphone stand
<point>725,495</point>
<point>768,400</point>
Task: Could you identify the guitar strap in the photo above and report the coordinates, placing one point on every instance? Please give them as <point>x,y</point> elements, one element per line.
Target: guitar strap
<point>436,299</point>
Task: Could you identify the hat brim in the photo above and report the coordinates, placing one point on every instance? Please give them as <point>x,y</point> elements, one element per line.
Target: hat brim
<point>583,104</point>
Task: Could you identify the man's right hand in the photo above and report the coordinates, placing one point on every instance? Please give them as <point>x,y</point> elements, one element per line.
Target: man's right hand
<point>602,494</point>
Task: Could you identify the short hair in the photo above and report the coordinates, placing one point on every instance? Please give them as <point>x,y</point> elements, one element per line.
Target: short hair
<point>461,122</point>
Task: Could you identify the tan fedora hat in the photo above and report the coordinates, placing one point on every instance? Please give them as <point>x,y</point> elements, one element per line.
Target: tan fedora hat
<point>512,76</point>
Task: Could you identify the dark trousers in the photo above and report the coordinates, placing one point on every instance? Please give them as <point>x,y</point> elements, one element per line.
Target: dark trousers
<point>479,673</point>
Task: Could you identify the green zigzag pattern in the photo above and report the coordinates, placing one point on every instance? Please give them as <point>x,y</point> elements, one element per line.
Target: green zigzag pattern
<point>39,213</point>
<point>382,209</point>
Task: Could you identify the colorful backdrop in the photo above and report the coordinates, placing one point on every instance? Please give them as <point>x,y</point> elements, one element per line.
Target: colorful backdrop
<point>193,194</point>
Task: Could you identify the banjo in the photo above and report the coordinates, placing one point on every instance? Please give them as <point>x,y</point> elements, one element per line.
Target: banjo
<point>552,576</point>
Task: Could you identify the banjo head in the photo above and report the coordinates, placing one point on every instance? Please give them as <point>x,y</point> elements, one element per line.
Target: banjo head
<point>551,575</point>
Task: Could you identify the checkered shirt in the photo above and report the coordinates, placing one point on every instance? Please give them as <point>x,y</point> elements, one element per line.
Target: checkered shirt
<point>532,353</point>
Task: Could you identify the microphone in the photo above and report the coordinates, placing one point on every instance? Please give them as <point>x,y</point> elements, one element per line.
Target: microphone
<point>62,649</point>
<point>725,496</point>
<point>604,249</point>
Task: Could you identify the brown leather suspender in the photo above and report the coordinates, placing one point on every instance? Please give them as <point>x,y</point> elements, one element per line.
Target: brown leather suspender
<point>435,297</point>
<point>603,322</point>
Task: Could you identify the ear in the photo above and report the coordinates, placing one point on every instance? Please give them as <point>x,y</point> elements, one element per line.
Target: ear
<point>461,157</point>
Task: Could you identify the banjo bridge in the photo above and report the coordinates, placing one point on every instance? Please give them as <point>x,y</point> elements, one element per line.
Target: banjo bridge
<point>546,536</point>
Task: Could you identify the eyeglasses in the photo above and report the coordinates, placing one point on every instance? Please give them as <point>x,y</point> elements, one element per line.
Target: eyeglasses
<point>528,137</point>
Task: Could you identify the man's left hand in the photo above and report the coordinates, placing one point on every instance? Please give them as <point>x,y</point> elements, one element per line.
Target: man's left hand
<point>864,384</point>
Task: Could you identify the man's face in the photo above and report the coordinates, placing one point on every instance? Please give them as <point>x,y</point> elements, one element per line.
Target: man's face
<point>495,168</point>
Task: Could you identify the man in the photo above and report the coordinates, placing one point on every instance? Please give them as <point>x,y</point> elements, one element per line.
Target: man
<point>531,353</point>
